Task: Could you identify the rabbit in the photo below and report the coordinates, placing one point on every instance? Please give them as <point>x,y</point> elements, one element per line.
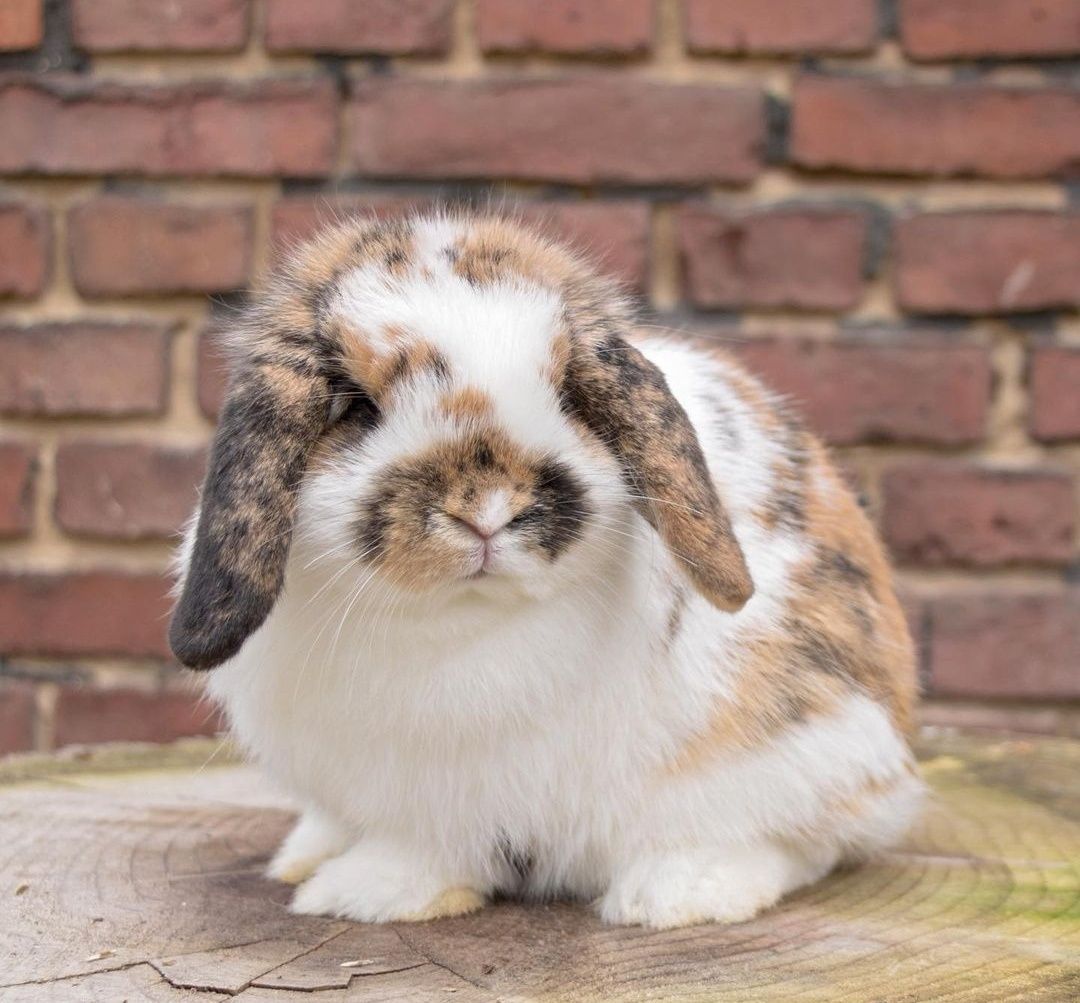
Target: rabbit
<point>516,598</point>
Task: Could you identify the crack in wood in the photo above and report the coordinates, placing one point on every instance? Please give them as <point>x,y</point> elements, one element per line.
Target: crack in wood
<point>202,982</point>
<point>438,964</point>
<point>104,984</point>
<point>75,975</point>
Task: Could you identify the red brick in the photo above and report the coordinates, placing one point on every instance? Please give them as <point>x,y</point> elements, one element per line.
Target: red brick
<point>946,511</point>
<point>914,609</point>
<point>780,26</point>
<point>1055,393</point>
<point>87,716</point>
<point>83,368</point>
<point>18,470</point>
<point>123,247</point>
<point>21,25</point>
<point>867,125</point>
<point>911,389</point>
<point>160,25</point>
<point>92,613</point>
<point>17,713</point>
<point>615,233</point>
<point>126,490</point>
<point>943,29</point>
<point>298,218</point>
<point>66,125</point>
<point>1006,645</point>
<point>579,129</point>
<point>213,374</point>
<point>596,27</point>
<point>988,262</point>
<point>386,27</point>
<point>792,257</point>
<point>25,250</point>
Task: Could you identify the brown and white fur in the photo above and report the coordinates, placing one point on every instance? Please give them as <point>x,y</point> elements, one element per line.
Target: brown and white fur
<point>514,601</point>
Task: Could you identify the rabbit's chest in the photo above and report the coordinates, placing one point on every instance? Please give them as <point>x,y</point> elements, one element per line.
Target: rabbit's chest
<point>554,725</point>
<point>551,739</point>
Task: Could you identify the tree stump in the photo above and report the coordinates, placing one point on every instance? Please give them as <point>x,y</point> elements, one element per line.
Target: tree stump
<point>146,885</point>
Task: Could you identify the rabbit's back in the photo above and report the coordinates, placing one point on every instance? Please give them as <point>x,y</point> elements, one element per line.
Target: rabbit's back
<point>831,623</point>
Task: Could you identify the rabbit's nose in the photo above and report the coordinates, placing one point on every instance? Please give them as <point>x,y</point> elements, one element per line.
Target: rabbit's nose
<point>486,517</point>
<point>473,526</point>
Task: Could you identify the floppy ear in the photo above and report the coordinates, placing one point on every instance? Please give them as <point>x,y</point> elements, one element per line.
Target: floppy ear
<point>625,400</point>
<point>275,411</point>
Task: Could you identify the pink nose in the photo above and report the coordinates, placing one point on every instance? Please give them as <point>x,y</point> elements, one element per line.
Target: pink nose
<point>471,526</point>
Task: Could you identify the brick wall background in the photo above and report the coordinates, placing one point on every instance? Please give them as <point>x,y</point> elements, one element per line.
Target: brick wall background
<point>876,202</point>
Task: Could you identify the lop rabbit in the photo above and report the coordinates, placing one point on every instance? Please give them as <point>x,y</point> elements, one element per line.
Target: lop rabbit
<point>515,600</point>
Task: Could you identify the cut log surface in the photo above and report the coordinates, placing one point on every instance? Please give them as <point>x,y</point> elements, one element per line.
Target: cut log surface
<point>147,885</point>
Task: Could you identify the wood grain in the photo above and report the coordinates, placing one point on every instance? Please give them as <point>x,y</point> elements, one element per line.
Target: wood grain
<point>147,886</point>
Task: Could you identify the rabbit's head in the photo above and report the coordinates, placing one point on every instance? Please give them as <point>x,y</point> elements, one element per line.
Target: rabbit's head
<point>453,406</point>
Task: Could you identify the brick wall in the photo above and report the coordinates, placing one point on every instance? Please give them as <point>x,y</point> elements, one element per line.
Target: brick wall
<point>875,202</point>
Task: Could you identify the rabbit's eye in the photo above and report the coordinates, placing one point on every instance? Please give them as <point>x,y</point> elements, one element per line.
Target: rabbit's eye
<point>526,517</point>
<point>353,405</point>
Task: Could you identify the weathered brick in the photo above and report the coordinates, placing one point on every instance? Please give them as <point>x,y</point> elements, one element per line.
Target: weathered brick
<point>877,127</point>
<point>126,490</point>
<point>298,218</point>
<point>18,470</point>
<point>988,262</point>
<point>943,29</point>
<point>614,232</point>
<point>948,511</point>
<point>122,247</point>
<point>17,713</point>
<point>386,27</point>
<point>1001,644</point>
<point>83,368</point>
<point>789,257</point>
<point>213,373</point>
<point>595,27</point>
<point>88,613</point>
<point>160,25</point>
<point>85,716</point>
<point>578,129</point>
<point>857,390</point>
<point>25,250</point>
<point>780,26</point>
<point>21,25</point>
<point>1055,393</point>
<point>66,125</point>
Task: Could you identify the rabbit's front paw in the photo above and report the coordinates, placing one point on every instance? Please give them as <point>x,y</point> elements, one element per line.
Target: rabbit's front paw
<point>377,882</point>
<point>314,838</point>
<point>705,885</point>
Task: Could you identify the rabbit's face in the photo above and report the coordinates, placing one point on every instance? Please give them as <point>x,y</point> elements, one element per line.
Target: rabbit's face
<point>471,506</point>
<point>461,469</point>
<point>449,402</point>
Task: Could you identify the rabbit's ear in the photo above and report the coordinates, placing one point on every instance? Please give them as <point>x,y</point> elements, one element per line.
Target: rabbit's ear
<point>624,399</point>
<point>277,407</point>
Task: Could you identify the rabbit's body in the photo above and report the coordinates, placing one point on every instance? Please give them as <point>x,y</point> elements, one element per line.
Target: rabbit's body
<point>581,719</point>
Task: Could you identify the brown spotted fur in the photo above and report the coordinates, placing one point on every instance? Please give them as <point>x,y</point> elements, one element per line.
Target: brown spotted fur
<point>844,631</point>
<point>454,478</point>
<point>288,355</point>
